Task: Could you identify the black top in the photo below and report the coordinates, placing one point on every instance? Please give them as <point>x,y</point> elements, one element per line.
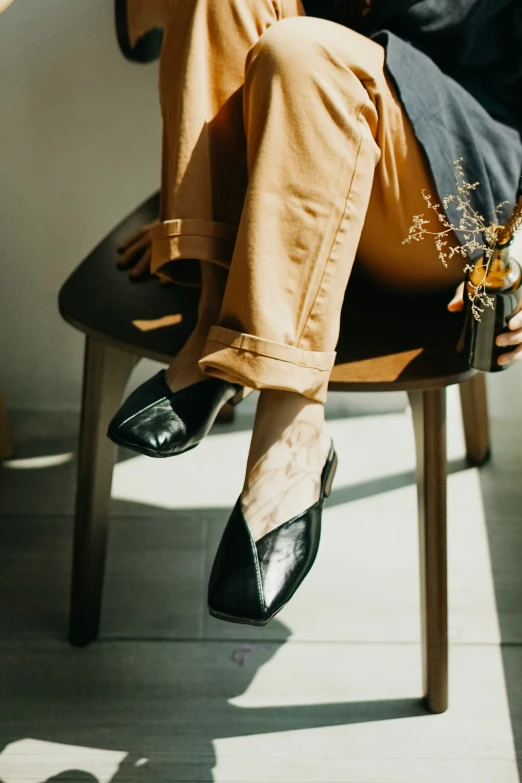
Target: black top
<point>478,42</point>
<point>457,65</point>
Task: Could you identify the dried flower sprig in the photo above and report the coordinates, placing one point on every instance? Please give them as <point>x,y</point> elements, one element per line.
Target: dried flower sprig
<point>513,225</point>
<point>471,234</point>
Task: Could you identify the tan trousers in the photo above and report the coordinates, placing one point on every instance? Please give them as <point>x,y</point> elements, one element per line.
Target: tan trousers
<point>286,153</point>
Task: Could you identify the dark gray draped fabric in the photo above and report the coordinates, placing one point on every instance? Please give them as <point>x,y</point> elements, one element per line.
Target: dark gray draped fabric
<point>478,42</point>
<point>457,66</point>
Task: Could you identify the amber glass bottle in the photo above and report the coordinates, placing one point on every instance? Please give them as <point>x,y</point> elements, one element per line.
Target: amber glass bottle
<point>504,279</point>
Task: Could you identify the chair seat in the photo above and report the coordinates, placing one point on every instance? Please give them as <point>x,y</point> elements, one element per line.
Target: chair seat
<point>387,342</point>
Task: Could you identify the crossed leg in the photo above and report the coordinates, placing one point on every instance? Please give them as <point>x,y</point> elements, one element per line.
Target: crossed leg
<point>286,154</point>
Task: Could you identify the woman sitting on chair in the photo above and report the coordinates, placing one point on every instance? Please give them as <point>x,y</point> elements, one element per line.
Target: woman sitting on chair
<point>297,136</point>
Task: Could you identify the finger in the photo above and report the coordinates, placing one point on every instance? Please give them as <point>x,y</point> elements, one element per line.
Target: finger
<point>133,254</point>
<point>128,241</point>
<point>510,338</point>
<point>136,237</point>
<point>511,357</point>
<point>142,268</point>
<point>457,303</point>
<point>516,321</point>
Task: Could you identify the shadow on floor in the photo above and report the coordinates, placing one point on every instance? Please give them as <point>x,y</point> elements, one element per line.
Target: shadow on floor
<point>149,712</point>
<point>82,715</point>
<point>60,697</point>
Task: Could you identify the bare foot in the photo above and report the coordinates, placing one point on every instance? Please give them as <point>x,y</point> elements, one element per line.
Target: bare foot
<point>288,452</point>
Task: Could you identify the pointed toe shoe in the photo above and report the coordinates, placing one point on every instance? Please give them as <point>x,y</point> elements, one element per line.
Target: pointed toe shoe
<point>251,580</point>
<point>157,422</point>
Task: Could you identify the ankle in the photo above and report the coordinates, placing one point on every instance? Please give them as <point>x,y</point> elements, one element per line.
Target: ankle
<point>213,283</point>
<point>290,418</point>
<point>184,369</point>
<point>288,451</point>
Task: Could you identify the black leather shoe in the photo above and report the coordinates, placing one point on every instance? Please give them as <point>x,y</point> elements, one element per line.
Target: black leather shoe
<point>157,422</point>
<point>252,581</point>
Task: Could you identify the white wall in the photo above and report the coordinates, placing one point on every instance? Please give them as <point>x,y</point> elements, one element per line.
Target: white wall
<point>79,148</point>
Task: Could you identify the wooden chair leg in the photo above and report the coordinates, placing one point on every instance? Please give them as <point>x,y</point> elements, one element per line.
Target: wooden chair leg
<point>6,434</point>
<point>475,417</point>
<point>227,414</point>
<point>429,418</point>
<point>106,371</point>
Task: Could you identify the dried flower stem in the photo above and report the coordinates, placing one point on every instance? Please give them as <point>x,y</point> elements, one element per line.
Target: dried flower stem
<point>513,225</point>
<point>472,234</point>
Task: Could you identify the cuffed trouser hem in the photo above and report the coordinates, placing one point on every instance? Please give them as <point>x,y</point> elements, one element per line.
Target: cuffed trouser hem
<point>263,364</point>
<point>188,238</point>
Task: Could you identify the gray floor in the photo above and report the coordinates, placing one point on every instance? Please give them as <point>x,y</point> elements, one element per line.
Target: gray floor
<point>329,692</point>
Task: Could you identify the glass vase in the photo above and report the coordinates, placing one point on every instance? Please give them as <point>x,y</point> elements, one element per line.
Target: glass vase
<point>504,285</point>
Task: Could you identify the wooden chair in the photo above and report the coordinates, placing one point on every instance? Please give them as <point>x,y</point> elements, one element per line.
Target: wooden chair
<point>138,36</point>
<point>388,344</point>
